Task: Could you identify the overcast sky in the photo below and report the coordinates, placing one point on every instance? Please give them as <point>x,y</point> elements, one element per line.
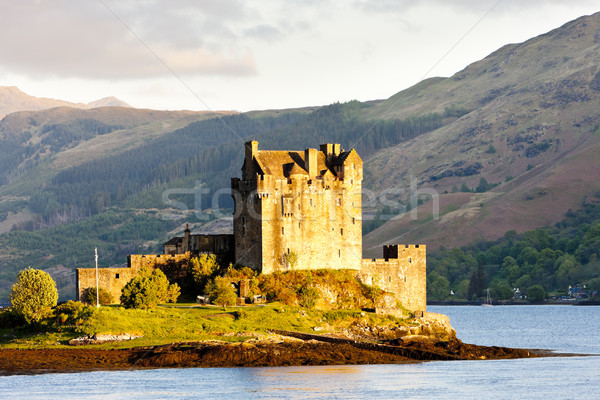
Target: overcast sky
<point>245,55</point>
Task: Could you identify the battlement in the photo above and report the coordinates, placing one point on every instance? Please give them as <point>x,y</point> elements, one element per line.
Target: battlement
<point>401,271</point>
<point>138,261</point>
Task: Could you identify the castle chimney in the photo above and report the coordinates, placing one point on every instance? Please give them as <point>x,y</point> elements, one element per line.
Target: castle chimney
<point>330,150</point>
<point>251,149</point>
<point>186,239</point>
<point>310,162</point>
<point>248,171</point>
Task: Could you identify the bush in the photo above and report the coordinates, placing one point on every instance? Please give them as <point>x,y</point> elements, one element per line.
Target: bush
<point>72,313</point>
<point>221,292</point>
<point>536,294</point>
<point>309,296</point>
<point>149,288</point>
<point>89,296</point>
<point>33,295</point>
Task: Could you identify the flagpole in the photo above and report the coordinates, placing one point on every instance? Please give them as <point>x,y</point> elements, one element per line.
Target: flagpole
<point>97,293</point>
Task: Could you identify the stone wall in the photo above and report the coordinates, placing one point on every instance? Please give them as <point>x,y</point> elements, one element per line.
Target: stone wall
<point>111,279</point>
<point>401,273</point>
<point>138,261</point>
<point>114,279</point>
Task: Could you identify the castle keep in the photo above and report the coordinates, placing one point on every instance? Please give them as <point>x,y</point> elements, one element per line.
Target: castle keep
<point>293,210</point>
<point>298,210</point>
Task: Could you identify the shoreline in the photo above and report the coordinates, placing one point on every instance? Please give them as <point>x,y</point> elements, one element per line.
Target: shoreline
<point>283,351</point>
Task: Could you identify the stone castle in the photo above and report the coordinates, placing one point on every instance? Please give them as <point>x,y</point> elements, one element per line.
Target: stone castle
<point>294,210</point>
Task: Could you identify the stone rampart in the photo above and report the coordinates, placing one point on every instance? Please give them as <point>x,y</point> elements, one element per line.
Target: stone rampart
<point>401,273</point>
<point>114,279</point>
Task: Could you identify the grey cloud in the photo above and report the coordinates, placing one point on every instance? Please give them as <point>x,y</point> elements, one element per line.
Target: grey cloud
<point>265,32</point>
<point>84,39</point>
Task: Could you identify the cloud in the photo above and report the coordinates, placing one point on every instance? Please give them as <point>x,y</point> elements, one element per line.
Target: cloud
<point>85,39</point>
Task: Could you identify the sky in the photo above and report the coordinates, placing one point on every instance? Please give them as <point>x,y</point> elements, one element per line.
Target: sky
<point>255,55</point>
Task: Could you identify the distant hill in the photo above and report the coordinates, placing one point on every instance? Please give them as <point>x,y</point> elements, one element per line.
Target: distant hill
<point>12,100</point>
<point>528,120</point>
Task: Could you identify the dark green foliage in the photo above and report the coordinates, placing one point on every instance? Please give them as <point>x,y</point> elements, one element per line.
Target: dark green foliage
<point>491,149</point>
<point>104,298</point>
<point>438,287</point>
<point>477,284</point>
<point>465,189</point>
<point>566,254</point>
<point>536,293</point>
<point>455,111</point>
<point>148,289</point>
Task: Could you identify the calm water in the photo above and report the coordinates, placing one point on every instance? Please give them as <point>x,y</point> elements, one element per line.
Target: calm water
<point>569,329</point>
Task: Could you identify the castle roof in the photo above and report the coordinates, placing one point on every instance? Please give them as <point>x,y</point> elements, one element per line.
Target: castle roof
<point>281,163</point>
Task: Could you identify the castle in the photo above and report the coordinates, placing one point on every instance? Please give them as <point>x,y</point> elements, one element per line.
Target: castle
<point>293,210</point>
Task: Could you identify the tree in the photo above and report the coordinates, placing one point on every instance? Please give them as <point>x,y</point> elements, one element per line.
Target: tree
<point>438,287</point>
<point>290,260</point>
<point>536,293</point>
<point>104,298</point>
<point>477,283</point>
<point>221,292</point>
<point>147,289</point>
<point>502,290</point>
<point>203,268</point>
<point>33,295</point>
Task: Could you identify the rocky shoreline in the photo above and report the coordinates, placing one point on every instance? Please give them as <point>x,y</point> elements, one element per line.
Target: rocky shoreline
<point>272,351</point>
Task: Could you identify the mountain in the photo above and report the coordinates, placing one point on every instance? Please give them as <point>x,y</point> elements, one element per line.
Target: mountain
<point>12,100</point>
<point>528,122</point>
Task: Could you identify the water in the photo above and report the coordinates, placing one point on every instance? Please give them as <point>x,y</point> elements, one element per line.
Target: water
<point>568,329</point>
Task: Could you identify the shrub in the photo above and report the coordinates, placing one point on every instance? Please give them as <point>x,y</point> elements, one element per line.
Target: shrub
<point>309,296</point>
<point>147,289</point>
<point>72,313</point>
<point>221,292</point>
<point>536,293</point>
<point>33,295</point>
<point>89,296</point>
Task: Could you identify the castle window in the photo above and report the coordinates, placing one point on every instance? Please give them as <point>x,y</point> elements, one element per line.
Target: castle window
<point>389,278</point>
<point>116,276</point>
<point>310,202</point>
<point>298,224</point>
<point>353,220</point>
<point>342,231</point>
<point>339,252</point>
<point>409,259</point>
<point>282,230</point>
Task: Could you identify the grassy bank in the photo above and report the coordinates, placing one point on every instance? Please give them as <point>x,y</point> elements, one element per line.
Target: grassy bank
<point>187,322</point>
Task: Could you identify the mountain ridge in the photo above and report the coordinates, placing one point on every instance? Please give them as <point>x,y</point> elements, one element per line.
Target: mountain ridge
<point>13,99</point>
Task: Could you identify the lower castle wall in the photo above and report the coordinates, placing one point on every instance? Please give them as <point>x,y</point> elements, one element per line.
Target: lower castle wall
<point>114,279</point>
<point>111,279</point>
<point>403,276</point>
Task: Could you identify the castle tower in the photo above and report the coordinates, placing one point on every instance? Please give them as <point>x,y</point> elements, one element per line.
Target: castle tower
<point>298,209</point>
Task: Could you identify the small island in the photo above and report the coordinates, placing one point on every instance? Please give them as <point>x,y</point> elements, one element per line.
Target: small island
<point>288,287</point>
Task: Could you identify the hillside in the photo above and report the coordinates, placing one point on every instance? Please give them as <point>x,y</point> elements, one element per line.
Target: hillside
<point>529,121</point>
<point>13,100</point>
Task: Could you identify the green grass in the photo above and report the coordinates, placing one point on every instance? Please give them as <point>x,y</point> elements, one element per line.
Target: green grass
<point>188,322</point>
